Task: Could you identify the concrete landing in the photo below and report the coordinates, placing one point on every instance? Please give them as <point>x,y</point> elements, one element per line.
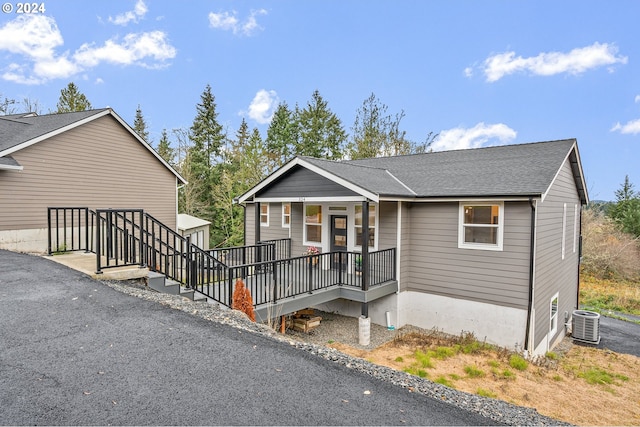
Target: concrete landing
<point>86,263</point>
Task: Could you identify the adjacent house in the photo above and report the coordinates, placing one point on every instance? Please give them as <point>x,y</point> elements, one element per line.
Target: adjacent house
<point>486,240</point>
<point>197,229</point>
<point>86,159</point>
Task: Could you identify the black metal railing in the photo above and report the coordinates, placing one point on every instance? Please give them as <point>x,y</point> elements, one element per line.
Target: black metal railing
<point>70,229</point>
<point>133,237</point>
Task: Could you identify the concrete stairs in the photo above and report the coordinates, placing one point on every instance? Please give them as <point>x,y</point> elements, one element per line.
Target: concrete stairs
<point>160,283</point>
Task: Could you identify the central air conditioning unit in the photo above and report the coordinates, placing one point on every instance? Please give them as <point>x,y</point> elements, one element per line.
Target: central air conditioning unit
<point>586,326</point>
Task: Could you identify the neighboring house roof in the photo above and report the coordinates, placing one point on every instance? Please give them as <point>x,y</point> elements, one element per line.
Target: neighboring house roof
<point>18,131</point>
<point>187,222</point>
<point>521,170</point>
<point>9,163</point>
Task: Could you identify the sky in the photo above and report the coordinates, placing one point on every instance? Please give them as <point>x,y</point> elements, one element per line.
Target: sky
<point>477,73</point>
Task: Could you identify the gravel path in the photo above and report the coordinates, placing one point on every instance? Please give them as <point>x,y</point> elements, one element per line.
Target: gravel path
<point>344,330</point>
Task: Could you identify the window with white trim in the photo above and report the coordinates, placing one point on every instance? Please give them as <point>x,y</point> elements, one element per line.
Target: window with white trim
<point>575,227</point>
<point>564,229</point>
<point>481,225</point>
<point>286,215</point>
<point>313,224</point>
<point>264,214</point>
<point>372,225</point>
<point>553,317</point>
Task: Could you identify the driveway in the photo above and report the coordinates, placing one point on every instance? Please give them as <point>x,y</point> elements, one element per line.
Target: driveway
<point>619,335</point>
<point>75,351</point>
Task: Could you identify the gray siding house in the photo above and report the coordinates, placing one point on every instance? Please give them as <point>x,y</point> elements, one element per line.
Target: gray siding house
<point>486,240</point>
<point>85,159</point>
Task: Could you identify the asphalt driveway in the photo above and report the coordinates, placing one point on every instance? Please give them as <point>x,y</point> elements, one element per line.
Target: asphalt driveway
<point>74,351</point>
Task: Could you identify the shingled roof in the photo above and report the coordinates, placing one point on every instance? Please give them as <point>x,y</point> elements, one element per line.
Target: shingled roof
<point>18,131</point>
<point>521,170</point>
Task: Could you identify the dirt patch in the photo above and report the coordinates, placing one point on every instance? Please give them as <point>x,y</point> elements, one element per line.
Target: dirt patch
<point>577,384</point>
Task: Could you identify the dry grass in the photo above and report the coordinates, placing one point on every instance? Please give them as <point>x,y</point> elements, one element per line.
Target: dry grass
<point>605,295</point>
<point>582,385</point>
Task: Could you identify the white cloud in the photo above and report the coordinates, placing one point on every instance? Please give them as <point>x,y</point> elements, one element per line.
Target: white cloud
<point>632,127</point>
<point>480,135</point>
<point>576,61</point>
<point>637,98</point>
<point>138,12</point>
<point>229,22</point>
<point>36,38</point>
<point>263,106</point>
<point>135,48</point>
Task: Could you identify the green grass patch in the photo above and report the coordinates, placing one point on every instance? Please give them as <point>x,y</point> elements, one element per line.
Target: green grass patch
<point>600,376</point>
<point>485,393</point>
<point>556,378</point>
<point>399,359</point>
<point>454,377</point>
<point>416,371</point>
<point>422,359</point>
<point>518,362</point>
<point>444,381</point>
<point>473,372</point>
<point>493,363</point>
<point>551,355</point>
<point>443,353</point>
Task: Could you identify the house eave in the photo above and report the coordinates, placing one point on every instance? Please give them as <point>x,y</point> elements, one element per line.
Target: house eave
<point>365,194</point>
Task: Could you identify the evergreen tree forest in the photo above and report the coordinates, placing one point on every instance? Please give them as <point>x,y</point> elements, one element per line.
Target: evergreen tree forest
<point>220,164</point>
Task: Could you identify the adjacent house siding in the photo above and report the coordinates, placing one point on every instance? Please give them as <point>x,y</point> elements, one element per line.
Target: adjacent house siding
<point>438,266</point>
<point>552,273</point>
<point>98,165</point>
<point>301,182</point>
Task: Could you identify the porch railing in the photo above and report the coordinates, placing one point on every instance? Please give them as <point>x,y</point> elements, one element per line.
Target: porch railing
<point>133,237</point>
<point>70,229</point>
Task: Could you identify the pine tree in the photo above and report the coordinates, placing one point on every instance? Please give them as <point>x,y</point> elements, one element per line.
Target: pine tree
<point>321,132</point>
<point>206,132</point>
<point>165,150</point>
<point>626,211</point>
<point>140,126</point>
<point>281,136</point>
<point>207,139</point>
<point>71,99</point>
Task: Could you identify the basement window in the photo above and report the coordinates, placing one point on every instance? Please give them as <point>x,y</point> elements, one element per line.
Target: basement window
<point>481,226</point>
<point>553,319</point>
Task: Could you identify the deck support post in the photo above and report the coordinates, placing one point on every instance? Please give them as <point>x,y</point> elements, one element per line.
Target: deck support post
<point>365,254</point>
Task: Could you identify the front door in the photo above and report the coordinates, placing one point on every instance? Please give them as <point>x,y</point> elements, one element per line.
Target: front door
<point>339,241</point>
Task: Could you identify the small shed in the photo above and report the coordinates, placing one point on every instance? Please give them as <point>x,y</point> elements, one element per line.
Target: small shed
<point>196,228</point>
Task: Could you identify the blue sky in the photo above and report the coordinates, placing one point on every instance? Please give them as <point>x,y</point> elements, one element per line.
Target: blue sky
<point>478,73</point>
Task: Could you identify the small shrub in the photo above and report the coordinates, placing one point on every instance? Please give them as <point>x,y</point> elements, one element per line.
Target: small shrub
<point>556,377</point>
<point>508,375</point>
<point>473,372</point>
<point>399,359</point>
<point>551,355</point>
<point>242,300</point>
<point>518,362</point>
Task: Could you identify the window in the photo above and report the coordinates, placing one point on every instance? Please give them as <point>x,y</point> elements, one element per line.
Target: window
<point>481,226</point>
<point>564,228</point>
<point>313,224</point>
<point>553,321</point>
<point>372,225</point>
<point>575,227</point>
<point>286,215</point>
<point>264,214</point>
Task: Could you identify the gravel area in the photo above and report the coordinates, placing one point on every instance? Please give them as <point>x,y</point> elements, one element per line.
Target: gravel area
<point>344,329</point>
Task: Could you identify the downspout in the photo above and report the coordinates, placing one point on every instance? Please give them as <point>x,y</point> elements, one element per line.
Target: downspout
<point>532,246</point>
